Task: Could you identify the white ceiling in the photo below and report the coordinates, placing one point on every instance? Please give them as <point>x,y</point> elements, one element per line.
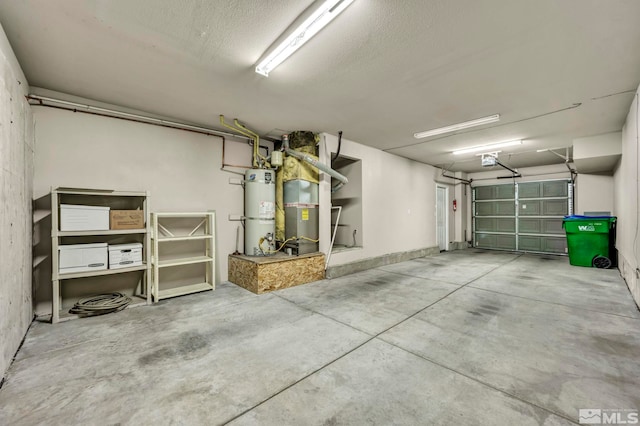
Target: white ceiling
<point>555,70</point>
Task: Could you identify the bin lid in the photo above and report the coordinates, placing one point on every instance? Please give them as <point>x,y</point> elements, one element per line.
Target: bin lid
<point>82,246</point>
<point>113,247</point>
<point>580,217</point>
<point>81,207</point>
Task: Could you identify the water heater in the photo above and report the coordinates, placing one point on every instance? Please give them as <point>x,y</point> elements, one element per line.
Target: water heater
<point>259,211</point>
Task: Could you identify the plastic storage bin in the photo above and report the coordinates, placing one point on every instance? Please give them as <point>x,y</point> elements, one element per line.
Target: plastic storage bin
<point>83,218</point>
<point>82,257</point>
<point>590,240</point>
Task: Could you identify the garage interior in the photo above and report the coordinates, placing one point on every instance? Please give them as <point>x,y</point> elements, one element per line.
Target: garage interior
<point>367,232</point>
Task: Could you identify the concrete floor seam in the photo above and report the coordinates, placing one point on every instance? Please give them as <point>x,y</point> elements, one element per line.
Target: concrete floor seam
<point>518,256</point>
<point>336,359</point>
<point>415,276</point>
<point>360,345</point>
<point>300,355</point>
<point>555,303</point>
<point>324,315</point>
<point>3,380</point>
<point>477,380</point>
<point>298,381</point>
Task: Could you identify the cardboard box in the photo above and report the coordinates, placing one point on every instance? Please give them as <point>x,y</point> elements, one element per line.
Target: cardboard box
<point>83,218</point>
<point>82,257</point>
<point>125,255</point>
<point>126,219</point>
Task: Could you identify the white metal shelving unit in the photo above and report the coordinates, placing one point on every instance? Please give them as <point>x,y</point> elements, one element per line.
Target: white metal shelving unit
<point>113,199</point>
<point>185,228</point>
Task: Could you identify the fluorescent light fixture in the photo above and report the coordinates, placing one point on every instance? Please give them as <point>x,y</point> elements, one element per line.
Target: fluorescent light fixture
<point>487,147</point>
<point>459,126</point>
<point>314,23</point>
<point>489,153</point>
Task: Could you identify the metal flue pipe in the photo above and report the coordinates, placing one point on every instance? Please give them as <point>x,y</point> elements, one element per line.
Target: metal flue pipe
<point>342,180</point>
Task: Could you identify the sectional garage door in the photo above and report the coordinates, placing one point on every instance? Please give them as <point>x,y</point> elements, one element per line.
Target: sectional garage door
<point>522,216</point>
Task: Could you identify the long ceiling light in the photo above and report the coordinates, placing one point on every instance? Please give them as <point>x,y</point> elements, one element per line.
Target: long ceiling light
<point>310,27</point>
<point>459,126</point>
<point>487,147</point>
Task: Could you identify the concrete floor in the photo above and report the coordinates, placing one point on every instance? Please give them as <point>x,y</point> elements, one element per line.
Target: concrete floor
<point>467,337</point>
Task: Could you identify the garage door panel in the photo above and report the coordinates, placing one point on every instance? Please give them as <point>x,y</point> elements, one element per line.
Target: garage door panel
<point>495,192</point>
<point>542,244</point>
<point>496,224</point>
<point>505,208</point>
<point>555,207</point>
<point>496,208</point>
<point>530,208</point>
<point>558,188</point>
<point>505,191</point>
<point>547,189</point>
<point>553,226</point>
<point>496,241</point>
<point>537,208</point>
<point>529,190</point>
<point>485,193</point>
<point>540,226</point>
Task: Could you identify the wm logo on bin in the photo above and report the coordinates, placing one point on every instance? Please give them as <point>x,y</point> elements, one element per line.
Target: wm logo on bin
<point>587,228</point>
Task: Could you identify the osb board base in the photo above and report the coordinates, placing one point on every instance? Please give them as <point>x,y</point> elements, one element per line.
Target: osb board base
<point>262,274</point>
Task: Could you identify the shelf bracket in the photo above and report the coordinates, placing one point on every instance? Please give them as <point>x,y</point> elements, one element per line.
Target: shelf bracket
<point>198,227</point>
<point>165,231</point>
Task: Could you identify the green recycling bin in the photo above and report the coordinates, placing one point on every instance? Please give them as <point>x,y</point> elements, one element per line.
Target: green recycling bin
<point>590,240</point>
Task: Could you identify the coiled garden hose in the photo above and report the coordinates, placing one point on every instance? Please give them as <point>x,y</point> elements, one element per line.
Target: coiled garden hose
<point>100,304</point>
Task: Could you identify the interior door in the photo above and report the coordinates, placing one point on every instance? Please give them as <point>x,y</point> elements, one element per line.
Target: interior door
<point>441,218</point>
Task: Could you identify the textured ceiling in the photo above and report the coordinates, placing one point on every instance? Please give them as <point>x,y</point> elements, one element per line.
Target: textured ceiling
<point>381,71</point>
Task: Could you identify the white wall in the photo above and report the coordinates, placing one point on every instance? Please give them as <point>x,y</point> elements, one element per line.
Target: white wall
<point>181,169</point>
<point>597,146</point>
<point>556,171</point>
<point>16,173</point>
<point>594,193</point>
<point>626,203</point>
<point>398,202</point>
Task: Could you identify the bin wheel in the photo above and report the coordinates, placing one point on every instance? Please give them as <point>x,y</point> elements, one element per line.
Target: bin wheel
<point>602,262</point>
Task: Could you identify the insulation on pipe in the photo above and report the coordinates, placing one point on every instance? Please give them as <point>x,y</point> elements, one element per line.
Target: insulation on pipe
<point>342,180</point>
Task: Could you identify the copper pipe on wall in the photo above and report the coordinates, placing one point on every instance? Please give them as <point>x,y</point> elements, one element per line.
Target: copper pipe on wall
<point>102,112</point>
<point>224,143</point>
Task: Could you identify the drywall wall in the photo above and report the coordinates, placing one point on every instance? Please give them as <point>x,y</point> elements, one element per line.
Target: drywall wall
<point>626,203</point>
<point>597,154</point>
<point>597,146</point>
<point>16,173</point>
<point>180,169</point>
<point>556,171</point>
<point>594,193</point>
<point>398,202</point>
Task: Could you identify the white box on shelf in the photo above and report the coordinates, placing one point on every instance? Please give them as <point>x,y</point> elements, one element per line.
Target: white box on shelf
<point>83,218</point>
<point>125,255</point>
<point>82,257</point>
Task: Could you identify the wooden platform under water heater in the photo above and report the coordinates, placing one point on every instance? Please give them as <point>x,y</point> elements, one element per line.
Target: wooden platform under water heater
<point>261,274</point>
